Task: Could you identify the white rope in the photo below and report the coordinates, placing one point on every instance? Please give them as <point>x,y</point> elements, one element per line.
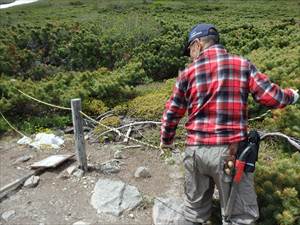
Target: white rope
<point>11,126</point>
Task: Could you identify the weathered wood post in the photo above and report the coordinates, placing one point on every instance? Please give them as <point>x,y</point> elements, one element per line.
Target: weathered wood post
<point>78,134</point>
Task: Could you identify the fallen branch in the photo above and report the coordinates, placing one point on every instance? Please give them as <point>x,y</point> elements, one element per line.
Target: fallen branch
<point>293,141</point>
<point>104,114</point>
<point>261,116</point>
<point>129,125</point>
<point>132,146</point>
<point>127,135</point>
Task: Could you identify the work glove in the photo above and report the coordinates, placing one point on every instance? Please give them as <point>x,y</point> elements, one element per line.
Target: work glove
<point>296,95</point>
<point>164,149</point>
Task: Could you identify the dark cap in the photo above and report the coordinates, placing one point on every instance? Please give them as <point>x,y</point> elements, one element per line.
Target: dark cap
<point>200,30</point>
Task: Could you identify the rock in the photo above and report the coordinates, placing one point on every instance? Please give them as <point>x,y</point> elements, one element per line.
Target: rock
<point>32,182</point>
<point>23,159</point>
<point>118,155</point>
<point>142,172</point>
<point>71,169</point>
<point>168,211</point>
<point>8,215</point>
<point>114,197</point>
<point>131,216</point>
<point>81,223</point>
<point>112,166</point>
<point>78,173</point>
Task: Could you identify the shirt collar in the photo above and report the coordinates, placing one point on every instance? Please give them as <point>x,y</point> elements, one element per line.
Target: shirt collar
<point>217,48</point>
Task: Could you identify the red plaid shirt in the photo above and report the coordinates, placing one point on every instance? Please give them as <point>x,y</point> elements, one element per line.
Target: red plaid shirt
<point>214,90</point>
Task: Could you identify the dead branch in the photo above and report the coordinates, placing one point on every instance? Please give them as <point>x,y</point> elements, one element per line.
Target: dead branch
<point>260,117</point>
<point>293,141</point>
<point>104,114</point>
<point>129,125</point>
<point>127,134</point>
<point>132,146</point>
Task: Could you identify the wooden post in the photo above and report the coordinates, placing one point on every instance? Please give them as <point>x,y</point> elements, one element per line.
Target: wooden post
<point>78,134</point>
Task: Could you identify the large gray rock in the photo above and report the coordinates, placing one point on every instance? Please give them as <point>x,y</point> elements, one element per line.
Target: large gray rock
<point>167,211</point>
<point>114,197</point>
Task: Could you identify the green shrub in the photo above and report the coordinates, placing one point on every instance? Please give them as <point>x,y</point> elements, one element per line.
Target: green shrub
<point>94,107</point>
<point>278,190</point>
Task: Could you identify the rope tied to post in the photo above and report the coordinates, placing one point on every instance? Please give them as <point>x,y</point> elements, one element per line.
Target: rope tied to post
<point>91,119</point>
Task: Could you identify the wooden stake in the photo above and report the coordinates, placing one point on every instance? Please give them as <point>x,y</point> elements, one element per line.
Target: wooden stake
<point>78,134</point>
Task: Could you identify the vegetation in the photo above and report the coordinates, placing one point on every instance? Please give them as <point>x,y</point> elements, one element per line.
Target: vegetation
<point>124,55</point>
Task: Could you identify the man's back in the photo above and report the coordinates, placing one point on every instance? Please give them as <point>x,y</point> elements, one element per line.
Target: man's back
<point>214,89</point>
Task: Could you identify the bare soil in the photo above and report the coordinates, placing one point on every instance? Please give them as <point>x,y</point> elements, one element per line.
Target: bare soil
<point>64,200</point>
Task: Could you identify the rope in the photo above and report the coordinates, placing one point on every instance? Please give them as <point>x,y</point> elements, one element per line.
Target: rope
<point>11,126</point>
<point>45,103</point>
<point>91,119</point>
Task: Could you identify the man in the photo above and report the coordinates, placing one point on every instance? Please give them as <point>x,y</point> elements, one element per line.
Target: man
<point>214,90</point>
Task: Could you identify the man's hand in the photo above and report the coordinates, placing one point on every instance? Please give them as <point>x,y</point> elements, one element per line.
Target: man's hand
<point>165,148</point>
<point>296,95</point>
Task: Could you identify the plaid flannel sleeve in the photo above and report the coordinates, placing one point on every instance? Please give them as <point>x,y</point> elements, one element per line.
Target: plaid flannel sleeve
<point>174,110</point>
<point>267,93</point>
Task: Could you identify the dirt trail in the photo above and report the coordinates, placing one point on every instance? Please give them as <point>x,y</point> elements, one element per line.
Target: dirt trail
<point>62,200</point>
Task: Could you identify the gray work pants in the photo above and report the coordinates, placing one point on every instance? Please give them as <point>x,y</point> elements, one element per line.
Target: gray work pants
<point>203,170</point>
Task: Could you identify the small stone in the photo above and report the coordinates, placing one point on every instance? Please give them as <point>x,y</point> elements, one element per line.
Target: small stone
<point>112,166</point>
<point>78,173</point>
<point>118,155</point>
<point>71,169</point>
<point>81,223</point>
<point>32,182</point>
<point>23,159</point>
<point>131,216</point>
<point>8,215</point>
<point>142,172</point>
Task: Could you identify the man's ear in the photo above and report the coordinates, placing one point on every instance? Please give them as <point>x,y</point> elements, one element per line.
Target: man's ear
<point>201,45</point>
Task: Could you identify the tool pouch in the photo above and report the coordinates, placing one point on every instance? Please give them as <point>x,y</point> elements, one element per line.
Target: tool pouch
<point>253,137</point>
